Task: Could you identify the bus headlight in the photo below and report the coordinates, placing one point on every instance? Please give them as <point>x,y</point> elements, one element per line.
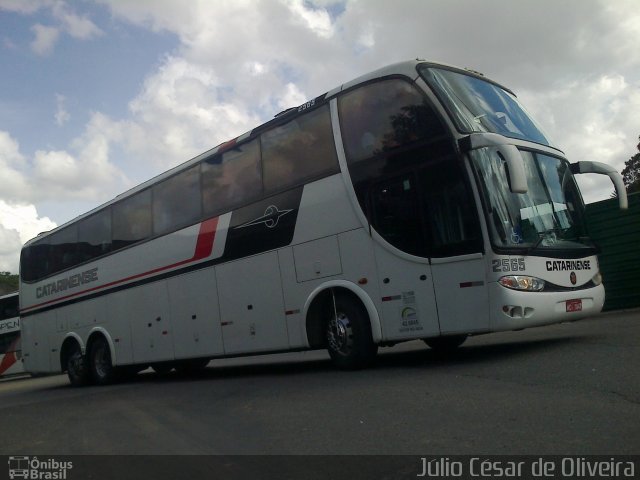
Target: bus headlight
<point>597,279</point>
<point>522,282</point>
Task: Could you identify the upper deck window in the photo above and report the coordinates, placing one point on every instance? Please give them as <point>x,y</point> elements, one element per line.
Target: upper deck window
<point>477,105</point>
<point>176,201</point>
<point>231,178</point>
<point>299,150</point>
<point>132,219</point>
<point>402,163</point>
<point>385,116</point>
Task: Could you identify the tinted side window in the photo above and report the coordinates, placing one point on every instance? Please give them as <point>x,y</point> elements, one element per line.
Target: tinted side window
<point>132,219</point>
<point>452,217</point>
<point>299,150</point>
<point>9,308</point>
<point>34,261</point>
<point>231,178</point>
<point>94,235</point>
<point>396,213</point>
<point>384,116</point>
<point>63,249</point>
<point>177,201</point>
<point>405,172</point>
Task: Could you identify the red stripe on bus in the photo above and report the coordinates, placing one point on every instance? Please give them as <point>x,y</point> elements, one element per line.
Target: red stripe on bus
<point>7,361</point>
<point>207,234</point>
<point>204,247</point>
<point>226,146</point>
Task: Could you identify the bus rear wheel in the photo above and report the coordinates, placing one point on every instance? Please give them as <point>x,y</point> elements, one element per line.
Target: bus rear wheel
<point>77,370</point>
<point>100,366</point>
<point>348,334</point>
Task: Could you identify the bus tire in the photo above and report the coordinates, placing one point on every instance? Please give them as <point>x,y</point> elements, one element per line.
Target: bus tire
<point>348,333</point>
<point>445,345</point>
<point>102,370</point>
<point>76,365</point>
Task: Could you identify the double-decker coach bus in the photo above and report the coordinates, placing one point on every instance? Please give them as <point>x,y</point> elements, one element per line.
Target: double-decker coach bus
<point>420,201</point>
<point>10,355</point>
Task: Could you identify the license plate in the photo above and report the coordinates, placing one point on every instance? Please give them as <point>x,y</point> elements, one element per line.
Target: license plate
<point>574,305</point>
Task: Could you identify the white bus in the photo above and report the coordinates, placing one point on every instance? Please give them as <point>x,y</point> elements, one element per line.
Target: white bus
<point>10,355</point>
<point>419,201</point>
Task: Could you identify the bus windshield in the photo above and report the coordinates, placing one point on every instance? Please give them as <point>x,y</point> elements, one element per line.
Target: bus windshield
<point>548,216</point>
<point>477,105</point>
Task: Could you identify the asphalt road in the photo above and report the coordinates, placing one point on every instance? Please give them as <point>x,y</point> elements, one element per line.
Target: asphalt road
<point>564,389</point>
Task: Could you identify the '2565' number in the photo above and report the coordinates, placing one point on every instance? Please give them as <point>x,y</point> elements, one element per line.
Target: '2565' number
<point>309,104</point>
<point>508,265</point>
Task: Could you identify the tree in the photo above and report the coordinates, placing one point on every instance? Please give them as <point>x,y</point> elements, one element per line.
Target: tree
<point>631,172</point>
<point>8,283</point>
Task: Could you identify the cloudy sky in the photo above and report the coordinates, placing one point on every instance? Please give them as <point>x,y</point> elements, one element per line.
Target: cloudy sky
<point>98,96</point>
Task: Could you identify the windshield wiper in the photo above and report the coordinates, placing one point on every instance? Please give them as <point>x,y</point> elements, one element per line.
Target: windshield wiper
<point>541,236</point>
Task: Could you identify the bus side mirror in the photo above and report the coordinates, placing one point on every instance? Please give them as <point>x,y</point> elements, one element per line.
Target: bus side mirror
<point>515,166</point>
<point>508,152</point>
<point>604,169</point>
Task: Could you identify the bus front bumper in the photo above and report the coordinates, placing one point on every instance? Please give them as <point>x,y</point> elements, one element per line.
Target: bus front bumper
<point>514,309</point>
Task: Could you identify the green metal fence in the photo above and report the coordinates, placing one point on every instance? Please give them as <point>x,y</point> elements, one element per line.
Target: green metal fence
<point>617,233</point>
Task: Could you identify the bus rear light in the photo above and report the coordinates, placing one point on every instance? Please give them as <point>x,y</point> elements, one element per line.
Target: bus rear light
<point>522,282</point>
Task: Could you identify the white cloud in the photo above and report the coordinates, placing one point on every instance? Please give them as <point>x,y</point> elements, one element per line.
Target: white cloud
<point>15,185</point>
<point>24,220</point>
<point>9,150</point>
<point>23,6</point>
<point>18,223</point>
<point>73,24</point>
<point>85,172</point>
<point>317,20</point>
<point>64,21</point>
<point>593,119</point>
<point>181,111</point>
<point>10,246</point>
<point>61,116</point>
<point>45,39</point>
<point>292,97</point>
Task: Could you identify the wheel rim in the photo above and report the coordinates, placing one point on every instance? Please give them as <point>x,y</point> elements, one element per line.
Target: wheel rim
<point>101,361</point>
<point>340,334</point>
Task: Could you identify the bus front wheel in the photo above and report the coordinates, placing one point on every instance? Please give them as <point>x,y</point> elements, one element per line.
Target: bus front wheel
<point>348,334</point>
<point>445,345</point>
<point>100,366</point>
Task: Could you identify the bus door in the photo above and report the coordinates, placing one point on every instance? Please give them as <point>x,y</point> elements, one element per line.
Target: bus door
<point>406,282</point>
<point>441,288</point>
<point>455,249</point>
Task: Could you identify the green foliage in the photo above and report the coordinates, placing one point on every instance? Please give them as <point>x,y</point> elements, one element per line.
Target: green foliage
<point>8,283</point>
<point>631,172</point>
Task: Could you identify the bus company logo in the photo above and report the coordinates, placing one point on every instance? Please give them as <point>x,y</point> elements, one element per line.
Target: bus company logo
<point>573,278</point>
<point>35,469</point>
<point>270,218</point>
<point>567,265</point>
<point>67,283</point>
